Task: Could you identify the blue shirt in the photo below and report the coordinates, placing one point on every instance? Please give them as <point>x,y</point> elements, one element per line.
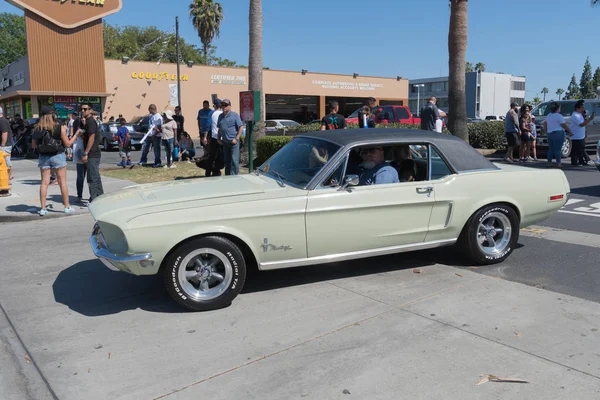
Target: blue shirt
<point>229,126</point>
<point>204,116</point>
<point>381,174</point>
<point>122,133</point>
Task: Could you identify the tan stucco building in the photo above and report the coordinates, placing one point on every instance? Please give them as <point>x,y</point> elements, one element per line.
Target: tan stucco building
<point>49,75</point>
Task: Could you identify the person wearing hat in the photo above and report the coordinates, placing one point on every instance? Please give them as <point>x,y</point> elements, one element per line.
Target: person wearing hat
<point>6,140</point>
<point>169,131</point>
<point>50,138</point>
<point>231,128</point>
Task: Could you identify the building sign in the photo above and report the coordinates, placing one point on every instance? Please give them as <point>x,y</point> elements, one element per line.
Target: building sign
<point>5,84</point>
<point>250,105</point>
<point>348,85</point>
<point>227,80</point>
<point>19,79</point>
<point>155,76</point>
<point>70,13</point>
<point>65,99</point>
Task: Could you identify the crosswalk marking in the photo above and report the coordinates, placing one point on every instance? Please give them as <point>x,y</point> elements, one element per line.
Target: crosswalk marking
<point>579,213</point>
<point>573,201</point>
<point>563,236</point>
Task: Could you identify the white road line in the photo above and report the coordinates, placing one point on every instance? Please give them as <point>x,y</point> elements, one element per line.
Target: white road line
<point>573,201</point>
<point>580,213</point>
<point>562,235</point>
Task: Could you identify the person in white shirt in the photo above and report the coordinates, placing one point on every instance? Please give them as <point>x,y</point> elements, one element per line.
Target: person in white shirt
<point>578,124</point>
<point>154,137</point>
<point>555,127</point>
<point>214,148</point>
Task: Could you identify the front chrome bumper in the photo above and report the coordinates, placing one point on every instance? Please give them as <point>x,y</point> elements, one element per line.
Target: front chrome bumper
<point>116,262</point>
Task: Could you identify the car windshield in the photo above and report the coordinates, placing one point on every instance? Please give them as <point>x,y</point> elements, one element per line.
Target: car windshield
<point>542,110</point>
<point>289,123</point>
<point>299,161</point>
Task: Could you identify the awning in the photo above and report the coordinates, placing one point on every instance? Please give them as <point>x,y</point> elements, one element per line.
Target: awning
<point>23,93</point>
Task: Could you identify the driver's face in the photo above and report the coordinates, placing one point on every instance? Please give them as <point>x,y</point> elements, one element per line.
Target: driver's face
<point>374,154</point>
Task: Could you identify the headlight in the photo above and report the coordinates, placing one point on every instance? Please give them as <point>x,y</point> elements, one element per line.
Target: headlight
<point>114,238</point>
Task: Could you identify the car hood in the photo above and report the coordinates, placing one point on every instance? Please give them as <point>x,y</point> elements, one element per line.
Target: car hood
<point>126,204</point>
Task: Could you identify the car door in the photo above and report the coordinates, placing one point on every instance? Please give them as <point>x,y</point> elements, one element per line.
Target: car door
<point>401,115</point>
<point>593,128</point>
<point>366,218</point>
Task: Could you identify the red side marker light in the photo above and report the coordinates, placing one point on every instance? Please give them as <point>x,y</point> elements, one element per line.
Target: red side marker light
<point>557,197</point>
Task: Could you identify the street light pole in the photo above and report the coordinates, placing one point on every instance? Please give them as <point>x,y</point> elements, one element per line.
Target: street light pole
<point>419,98</point>
<point>178,62</point>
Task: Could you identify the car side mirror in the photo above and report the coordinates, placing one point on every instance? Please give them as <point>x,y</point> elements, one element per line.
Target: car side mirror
<point>349,180</point>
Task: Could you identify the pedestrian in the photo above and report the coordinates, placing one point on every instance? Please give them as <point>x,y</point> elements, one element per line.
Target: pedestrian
<point>365,118</point>
<point>555,126</point>
<point>333,120</point>
<point>526,138</point>
<point>78,150</point>
<point>180,120</point>
<point>169,132</point>
<point>578,124</point>
<point>187,150</point>
<point>511,131</point>
<point>70,121</point>
<point>533,135</point>
<point>124,144</point>
<point>429,115</point>
<point>153,137</point>
<point>91,153</point>
<point>230,131</point>
<point>215,149</point>
<point>204,120</point>
<point>50,139</point>
<point>6,141</point>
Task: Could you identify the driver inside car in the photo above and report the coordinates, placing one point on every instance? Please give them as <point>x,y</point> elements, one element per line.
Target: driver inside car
<point>375,170</point>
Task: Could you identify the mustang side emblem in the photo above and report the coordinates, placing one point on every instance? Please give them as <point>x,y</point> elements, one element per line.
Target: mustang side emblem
<point>268,246</point>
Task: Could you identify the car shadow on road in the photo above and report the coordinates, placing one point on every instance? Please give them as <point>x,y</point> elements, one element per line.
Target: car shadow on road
<point>593,191</point>
<point>260,281</point>
<point>93,290</point>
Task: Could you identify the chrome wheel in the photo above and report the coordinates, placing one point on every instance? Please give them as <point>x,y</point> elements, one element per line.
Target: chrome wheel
<point>566,148</point>
<point>205,274</point>
<point>494,233</point>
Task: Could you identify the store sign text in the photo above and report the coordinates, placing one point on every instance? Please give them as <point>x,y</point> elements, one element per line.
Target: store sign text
<point>155,76</point>
<point>98,3</point>
<point>227,80</point>
<point>348,85</point>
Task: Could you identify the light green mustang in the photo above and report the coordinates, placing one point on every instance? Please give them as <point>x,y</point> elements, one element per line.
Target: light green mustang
<point>325,197</point>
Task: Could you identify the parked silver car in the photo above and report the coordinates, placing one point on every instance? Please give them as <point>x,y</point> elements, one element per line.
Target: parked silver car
<point>108,133</point>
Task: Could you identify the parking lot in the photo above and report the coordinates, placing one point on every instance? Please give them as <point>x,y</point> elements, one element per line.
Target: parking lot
<point>416,326</point>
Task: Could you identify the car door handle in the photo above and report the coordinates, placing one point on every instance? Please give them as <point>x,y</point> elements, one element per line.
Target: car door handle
<point>425,190</point>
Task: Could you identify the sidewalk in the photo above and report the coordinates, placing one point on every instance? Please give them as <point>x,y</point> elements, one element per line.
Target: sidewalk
<point>24,202</point>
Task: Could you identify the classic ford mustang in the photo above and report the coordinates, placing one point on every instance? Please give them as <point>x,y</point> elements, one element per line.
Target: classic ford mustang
<point>325,197</point>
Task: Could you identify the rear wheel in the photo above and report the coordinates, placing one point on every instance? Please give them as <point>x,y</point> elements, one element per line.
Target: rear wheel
<point>205,274</point>
<point>566,149</point>
<point>491,234</point>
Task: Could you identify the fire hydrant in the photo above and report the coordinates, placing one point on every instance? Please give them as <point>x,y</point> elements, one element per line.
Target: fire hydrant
<point>4,181</point>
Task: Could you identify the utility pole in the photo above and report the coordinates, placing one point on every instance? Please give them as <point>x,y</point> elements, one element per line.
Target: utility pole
<point>178,62</point>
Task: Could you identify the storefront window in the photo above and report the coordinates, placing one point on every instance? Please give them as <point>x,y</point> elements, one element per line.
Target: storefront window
<point>299,108</point>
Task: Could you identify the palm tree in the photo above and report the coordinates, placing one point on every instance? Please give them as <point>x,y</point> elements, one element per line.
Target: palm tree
<point>545,92</point>
<point>559,92</point>
<point>457,51</point>
<point>469,67</point>
<point>255,62</point>
<point>536,100</point>
<point>206,17</point>
<point>480,67</point>
<point>595,2</point>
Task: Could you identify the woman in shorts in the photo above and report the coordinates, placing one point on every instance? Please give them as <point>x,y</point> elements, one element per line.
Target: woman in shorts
<point>54,160</point>
<point>526,138</point>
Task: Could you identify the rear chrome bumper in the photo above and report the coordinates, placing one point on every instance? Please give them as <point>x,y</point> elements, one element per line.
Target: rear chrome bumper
<point>116,262</point>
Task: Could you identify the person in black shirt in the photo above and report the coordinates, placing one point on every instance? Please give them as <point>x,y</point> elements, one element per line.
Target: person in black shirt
<point>91,154</point>
<point>6,141</point>
<point>333,120</point>
<point>429,114</point>
<point>178,117</point>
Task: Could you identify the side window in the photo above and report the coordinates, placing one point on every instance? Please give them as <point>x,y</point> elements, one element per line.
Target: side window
<point>387,113</point>
<point>401,113</point>
<point>439,168</point>
<point>337,177</point>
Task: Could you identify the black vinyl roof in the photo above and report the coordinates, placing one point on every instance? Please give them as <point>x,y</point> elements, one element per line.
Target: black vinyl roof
<point>460,154</point>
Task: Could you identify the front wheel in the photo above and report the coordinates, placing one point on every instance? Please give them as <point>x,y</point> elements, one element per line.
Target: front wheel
<point>566,148</point>
<point>491,234</point>
<point>205,274</point>
<point>106,145</point>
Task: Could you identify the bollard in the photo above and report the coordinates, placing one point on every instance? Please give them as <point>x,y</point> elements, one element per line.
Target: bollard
<point>4,181</point>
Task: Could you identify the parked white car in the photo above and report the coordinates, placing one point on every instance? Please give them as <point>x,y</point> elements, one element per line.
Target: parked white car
<point>306,205</point>
<point>279,125</point>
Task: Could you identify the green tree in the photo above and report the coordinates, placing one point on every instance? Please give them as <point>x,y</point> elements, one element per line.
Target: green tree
<point>13,40</point>
<point>573,89</point>
<point>559,92</point>
<point>469,67</point>
<point>597,79</point>
<point>206,17</point>
<point>536,100</point>
<point>545,92</point>
<point>480,67</point>
<point>586,83</point>
<point>457,51</point>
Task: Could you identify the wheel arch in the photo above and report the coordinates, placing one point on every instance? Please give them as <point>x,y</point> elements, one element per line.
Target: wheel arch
<point>249,256</point>
<point>494,203</point>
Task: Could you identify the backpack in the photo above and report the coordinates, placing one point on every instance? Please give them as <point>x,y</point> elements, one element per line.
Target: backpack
<point>47,144</point>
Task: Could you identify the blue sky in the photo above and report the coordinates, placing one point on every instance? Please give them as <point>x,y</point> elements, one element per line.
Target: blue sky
<point>545,40</point>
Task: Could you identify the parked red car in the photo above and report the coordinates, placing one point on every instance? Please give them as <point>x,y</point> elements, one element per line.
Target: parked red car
<point>388,114</point>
